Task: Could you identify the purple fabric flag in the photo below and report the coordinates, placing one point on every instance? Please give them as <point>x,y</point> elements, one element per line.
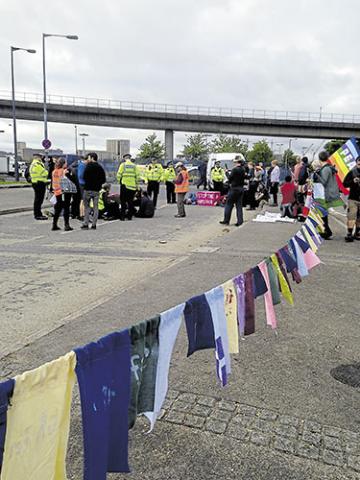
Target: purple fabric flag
<point>249,304</point>
<point>103,372</point>
<point>6,391</point>
<point>239,283</point>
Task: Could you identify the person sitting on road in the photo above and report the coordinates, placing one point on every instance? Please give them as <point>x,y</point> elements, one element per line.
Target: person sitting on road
<point>108,207</point>
<point>145,204</point>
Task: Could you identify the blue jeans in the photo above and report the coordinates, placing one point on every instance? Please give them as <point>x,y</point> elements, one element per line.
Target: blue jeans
<point>235,197</point>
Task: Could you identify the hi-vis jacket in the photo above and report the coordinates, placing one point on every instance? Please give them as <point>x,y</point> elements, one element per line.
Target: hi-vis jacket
<point>38,172</point>
<point>128,175</point>
<point>154,172</point>
<point>169,174</point>
<point>217,174</point>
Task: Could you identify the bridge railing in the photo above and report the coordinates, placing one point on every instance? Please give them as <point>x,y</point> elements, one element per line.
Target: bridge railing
<point>165,108</point>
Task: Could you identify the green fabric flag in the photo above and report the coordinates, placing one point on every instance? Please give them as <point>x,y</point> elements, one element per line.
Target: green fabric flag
<point>274,282</point>
<point>144,357</point>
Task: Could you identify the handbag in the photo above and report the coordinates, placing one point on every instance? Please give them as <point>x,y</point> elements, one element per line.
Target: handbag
<point>67,186</point>
<point>53,200</point>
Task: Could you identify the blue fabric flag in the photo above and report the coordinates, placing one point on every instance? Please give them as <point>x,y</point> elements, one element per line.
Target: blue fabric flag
<point>103,372</point>
<point>6,391</point>
<point>259,285</point>
<point>199,324</point>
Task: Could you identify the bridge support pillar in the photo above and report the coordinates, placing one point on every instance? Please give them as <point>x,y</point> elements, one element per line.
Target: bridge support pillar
<point>169,145</point>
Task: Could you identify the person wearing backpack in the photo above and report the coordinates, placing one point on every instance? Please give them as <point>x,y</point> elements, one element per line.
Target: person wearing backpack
<point>352,181</point>
<point>63,198</point>
<point>326,175</point>
<point>39,180</point>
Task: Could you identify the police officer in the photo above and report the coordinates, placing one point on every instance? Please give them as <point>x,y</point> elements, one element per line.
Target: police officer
<point>169,177</point>
<point>218,177</point>
<point>128,175</point>
<point>39,180</point>
<point>154,174</point>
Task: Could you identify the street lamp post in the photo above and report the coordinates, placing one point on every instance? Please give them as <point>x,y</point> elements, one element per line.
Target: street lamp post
<point>76,140</point>
<point>83,136</point>
<point>44,36</point>
<point>12,50</point>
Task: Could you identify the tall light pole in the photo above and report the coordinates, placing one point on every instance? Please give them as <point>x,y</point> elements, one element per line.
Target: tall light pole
<point>83,136</point>
<point>46,143</point>
<point>12,50</point>
<point>76,140</point>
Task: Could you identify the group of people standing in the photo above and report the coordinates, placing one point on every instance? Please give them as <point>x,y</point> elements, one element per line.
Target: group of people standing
<point>80,190</point>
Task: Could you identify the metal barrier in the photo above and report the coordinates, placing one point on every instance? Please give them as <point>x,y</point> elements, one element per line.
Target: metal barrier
<point>183,109</point>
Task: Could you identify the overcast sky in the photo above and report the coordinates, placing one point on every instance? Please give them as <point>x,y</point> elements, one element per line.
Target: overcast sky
<point>272,54</point>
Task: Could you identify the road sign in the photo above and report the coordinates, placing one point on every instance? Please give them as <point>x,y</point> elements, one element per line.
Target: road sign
<point>46,144</point>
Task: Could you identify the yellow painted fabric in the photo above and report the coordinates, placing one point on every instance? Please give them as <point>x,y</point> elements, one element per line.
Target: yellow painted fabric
<point>231,316</point>
<point>318,219</point>
<point>284,287</point>
<point>310,241</point>
<point>38,422</point>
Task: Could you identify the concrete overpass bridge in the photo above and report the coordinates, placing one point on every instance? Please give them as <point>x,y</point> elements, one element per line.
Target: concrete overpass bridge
<point>183,118</point>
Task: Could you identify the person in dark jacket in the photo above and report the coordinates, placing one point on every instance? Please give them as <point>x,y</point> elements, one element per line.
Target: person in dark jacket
<point>145,204</point>
<point>76,197</point>
<point>94,178</point>
<point>352,181</point>
<point>202,168</point>
<point>236,192</point>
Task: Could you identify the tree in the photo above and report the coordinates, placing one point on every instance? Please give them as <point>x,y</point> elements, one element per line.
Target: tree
<point>333,145</point>
<point>261,152</point>
<point>197,146</point>
<point>152,148</point>
<point>229,144</point>
<point>289,157</point>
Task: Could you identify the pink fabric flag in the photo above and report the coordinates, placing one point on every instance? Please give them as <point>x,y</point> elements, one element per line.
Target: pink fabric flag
<point>269,307</point>
<point>311,259</point>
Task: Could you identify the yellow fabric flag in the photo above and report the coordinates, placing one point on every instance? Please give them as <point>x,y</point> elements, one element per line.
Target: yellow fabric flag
<point>284,287</point>
<point>310,241</point>
<point>231,316</point>
<point>38,422</point>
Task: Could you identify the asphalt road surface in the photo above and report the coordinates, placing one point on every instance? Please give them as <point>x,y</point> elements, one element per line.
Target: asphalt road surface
<point>282,416</point>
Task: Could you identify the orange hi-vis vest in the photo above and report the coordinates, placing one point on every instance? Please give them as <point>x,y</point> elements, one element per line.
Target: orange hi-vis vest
<point>183,187</point>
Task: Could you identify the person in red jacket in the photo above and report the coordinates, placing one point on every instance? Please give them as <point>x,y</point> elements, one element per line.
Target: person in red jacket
<point>288,190</point>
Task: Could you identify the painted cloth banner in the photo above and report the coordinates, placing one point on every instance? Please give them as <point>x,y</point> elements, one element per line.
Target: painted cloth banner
<point>103,372</point>
<point>170,322</point>
<point>239,283</point>
<point>259,284</point>
<point>269,307</point>
<point>199,324</point>
<point>216,301</point>
<point>38,422</point>
<point>302,268</point>
<point>6,392</point>
<point>231,315</point>
<point>144,357</point>
<point>344,159</point>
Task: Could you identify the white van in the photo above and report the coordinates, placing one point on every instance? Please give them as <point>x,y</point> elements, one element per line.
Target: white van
<point>226,161</point>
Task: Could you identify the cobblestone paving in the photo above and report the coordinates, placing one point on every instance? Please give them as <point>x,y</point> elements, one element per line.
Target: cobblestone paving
<point>266,428</point>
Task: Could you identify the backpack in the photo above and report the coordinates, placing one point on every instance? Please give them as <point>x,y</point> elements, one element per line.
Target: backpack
<point>303,174</point>
<point>27,174</point>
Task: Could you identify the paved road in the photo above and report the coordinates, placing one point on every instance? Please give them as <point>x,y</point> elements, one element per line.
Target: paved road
<point>282,415</point>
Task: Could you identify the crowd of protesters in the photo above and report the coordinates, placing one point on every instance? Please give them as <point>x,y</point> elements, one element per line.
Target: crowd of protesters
<point>80,190</point>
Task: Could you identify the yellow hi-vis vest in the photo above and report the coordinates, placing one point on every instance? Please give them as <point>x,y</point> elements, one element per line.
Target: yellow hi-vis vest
<point>154,172</point>
<point>217,174</point>
<point>128,175</point>
<point>38,172</point>
<point>169,174</point>
<point>101,204</point>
